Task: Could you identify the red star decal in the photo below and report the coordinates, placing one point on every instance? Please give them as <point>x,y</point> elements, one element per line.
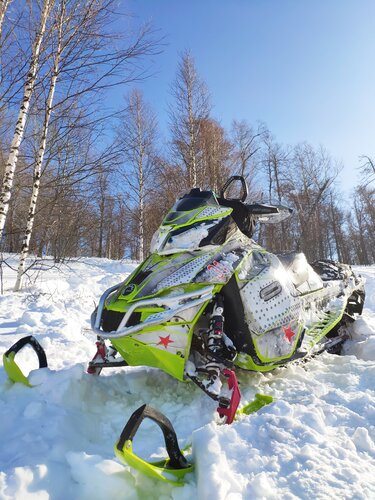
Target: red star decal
<point>289,334</point>
<point>165,341</point>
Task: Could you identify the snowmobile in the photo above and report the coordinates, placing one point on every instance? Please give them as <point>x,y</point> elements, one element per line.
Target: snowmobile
<point>209,299</point>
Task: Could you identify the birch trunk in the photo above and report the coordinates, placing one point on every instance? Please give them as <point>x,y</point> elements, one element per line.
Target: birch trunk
<point>102,206</point>
<point>141,232</point>
<point>141,183</point>
<point>3,8</point>
<point>11,164</point>
<point>192,140</point>
<point>40,157</point>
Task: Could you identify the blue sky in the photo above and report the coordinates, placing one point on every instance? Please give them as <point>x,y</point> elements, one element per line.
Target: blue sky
<point>306,68</point>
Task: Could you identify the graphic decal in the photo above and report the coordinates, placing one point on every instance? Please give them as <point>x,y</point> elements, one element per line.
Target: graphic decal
<point>218,269</point>
<point>289,334</point>
<point>165,341</point>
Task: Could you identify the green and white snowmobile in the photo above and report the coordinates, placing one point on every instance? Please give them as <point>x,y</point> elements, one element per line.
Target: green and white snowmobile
<point>209,299</point>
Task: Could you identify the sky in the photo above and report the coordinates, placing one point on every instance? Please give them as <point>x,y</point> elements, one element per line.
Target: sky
<point>305,68</point>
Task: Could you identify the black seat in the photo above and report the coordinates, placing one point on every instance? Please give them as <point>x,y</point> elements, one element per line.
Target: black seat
<point>241,215</point>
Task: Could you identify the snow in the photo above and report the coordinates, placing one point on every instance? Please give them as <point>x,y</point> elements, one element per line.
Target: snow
<point>317,440</point>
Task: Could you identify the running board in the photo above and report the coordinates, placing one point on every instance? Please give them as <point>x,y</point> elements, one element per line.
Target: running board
<point>329,346</point>
<point>328,321</point>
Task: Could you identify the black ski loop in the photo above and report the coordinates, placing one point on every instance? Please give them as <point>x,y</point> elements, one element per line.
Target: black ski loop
<point>177,459</point>
<point>38,349</point>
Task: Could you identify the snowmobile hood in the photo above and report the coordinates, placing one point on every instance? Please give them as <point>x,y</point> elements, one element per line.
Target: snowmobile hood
<point>194,221</point>
<point>178,273</point>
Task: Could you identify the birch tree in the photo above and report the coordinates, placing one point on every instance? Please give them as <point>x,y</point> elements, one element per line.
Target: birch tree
<point>14,61</point>
<point>3,8</point>
<point>42,148</point>
<point>246,150</point>
<point>85,63</point>
<point>95,59</point>
<point>138,137</point>
<point>190,108</point>
<point>367,169</point>
<point>311,174</point>
<point>274,165</point>
<point>11,164</point>
<point>215,151</point>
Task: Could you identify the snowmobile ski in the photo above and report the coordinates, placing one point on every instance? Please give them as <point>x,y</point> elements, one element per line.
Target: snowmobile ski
<point>10,366</point>
<point>172,469</point>
<point>255,405</point>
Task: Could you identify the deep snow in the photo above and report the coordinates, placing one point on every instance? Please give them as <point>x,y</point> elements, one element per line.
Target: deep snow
<point>317,440</point>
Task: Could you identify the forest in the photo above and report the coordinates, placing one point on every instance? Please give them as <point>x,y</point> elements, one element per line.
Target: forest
<point>81,177</point>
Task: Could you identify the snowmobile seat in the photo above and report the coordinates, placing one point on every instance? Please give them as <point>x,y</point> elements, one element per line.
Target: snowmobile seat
<point>303,276</point>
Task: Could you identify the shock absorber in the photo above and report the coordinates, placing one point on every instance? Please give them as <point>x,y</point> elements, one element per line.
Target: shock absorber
<point>216,330</point>
<point>213,339</point>
<point>219,349</point>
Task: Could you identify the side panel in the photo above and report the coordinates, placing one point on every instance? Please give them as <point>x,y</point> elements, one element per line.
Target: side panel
<point>166,346</point>
<point>272,311</point>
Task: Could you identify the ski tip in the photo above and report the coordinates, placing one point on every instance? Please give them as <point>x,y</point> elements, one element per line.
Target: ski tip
<point>13,371</point>
<point>160,470</point>
<point>255,405</point>
<point>170,470</point>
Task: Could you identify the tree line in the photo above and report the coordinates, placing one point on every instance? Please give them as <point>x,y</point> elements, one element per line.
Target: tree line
<point>81,179</point>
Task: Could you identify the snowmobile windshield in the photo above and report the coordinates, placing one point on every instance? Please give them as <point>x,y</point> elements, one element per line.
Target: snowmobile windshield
<point>269,213</point>
<point>191,220</point>
<point>188,208</point>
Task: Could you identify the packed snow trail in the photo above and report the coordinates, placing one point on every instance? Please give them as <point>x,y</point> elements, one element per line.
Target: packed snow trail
<point>317,440</point>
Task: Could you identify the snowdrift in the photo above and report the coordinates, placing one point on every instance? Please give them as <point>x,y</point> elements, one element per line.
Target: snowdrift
<point>317,440</point>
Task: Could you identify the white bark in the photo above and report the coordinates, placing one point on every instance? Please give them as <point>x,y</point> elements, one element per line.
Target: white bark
<point>3,8</point>
<point>191,108</point>
<point>11,164</point>
<point>141,181</point>
<point>40,156</point>
<point>138,131</point>
<point>192,138</point>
